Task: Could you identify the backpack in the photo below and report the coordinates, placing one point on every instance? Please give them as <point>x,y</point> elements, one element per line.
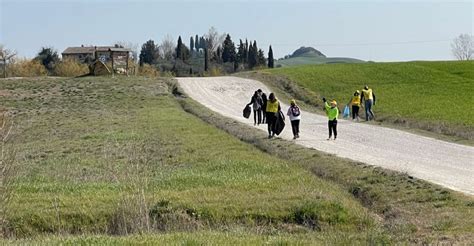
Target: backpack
<point>295,111</point>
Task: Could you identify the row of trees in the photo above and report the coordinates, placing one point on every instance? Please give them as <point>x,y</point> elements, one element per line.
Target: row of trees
<point>210,49</point>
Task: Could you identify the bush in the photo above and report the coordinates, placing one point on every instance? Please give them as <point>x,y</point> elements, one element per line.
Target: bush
<point>26,68</point>
<point>70,68</point>
<point>148,71</point>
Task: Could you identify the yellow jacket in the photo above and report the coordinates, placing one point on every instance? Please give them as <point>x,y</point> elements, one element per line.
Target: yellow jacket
<point>355,100</point>
<point>368,95</point>
<point>272,106</point>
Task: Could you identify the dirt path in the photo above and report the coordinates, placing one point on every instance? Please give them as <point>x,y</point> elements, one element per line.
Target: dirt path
<point>440,162</point>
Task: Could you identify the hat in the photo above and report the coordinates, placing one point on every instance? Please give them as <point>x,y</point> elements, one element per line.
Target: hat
<point>334,102</point>
<point>293,101</point>
<point>357,91</point>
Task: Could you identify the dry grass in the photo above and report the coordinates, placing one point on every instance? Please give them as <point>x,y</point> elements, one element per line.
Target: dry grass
<point>70,68</point>
<point>146,70</point>
<point>26,68</point>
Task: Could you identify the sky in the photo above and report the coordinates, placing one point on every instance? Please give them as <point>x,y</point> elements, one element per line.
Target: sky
<point>374,30</point>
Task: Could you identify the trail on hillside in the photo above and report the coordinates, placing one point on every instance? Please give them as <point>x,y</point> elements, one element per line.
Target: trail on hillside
<point>448,164</point>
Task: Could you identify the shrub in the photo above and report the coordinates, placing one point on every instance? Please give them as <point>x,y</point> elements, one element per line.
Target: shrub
<point>26,68</point>
<point>70,68</point>
<point>148,71</point>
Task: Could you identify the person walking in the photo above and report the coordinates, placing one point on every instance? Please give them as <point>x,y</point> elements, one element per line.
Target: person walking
<point>294,113</point>
<point>264,105</point>
<point>355,105</point>
<point>332,112</point>
<point>369,98</point>
<point>272,110</point>
<point>256,102</point>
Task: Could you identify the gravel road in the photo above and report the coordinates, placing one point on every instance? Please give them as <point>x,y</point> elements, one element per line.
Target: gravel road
<point>447,164</point>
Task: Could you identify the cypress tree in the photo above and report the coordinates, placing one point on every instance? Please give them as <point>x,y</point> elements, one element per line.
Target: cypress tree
<point>196,43</point>
<point>228,50</point>
<point>270,57</point>
<point>182,52</point>
<point>191,43</point>
<point>246,51</point>
<point>206,59</point>
<point>261,58</point>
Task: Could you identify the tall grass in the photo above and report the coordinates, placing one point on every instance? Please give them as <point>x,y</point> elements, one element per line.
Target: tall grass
<point>70,68</point>
<point>26,68</point>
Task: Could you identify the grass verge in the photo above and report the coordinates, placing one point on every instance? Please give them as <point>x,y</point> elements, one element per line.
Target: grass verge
<point>410,209</point>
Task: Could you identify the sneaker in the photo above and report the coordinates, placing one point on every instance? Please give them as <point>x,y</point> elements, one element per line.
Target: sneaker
<point>269,136</point>
<point>328,139</point>
<point>294,137</point>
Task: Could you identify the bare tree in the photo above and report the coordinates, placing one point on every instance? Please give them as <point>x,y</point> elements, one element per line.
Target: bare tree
<point>214,39</point>
<point>167,47</point>
<point>6,56</point>
<point>463,47</point>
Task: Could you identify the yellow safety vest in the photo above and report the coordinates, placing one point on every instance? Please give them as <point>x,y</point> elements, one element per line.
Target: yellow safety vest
<point>272,106</point>
<point>368,94</point>
<point>356,100</point>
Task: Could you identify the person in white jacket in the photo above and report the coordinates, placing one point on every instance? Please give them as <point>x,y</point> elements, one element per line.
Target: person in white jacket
<point>294,113</point>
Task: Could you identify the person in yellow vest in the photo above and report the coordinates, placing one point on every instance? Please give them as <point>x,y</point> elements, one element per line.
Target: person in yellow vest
<point>273,107</point>
<point>355,104</point>
<point>369,97</point>
<point>332,112</point>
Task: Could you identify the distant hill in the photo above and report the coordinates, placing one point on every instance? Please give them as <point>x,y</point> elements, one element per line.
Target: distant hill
<point>310,55</point>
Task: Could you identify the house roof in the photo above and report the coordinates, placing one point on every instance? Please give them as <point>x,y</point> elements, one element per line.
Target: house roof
<point>91,49</point>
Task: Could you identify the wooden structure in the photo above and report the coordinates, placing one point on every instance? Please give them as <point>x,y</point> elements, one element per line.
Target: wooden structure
<point>117,56</point>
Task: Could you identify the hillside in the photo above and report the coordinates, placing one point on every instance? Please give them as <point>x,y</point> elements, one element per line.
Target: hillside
<point>310,55</point>
<point>434,96</point>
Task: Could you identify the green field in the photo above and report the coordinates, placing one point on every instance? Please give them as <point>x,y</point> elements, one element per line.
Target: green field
<point>436,96</point>
<point>120,156</point>
<point>122,161</point>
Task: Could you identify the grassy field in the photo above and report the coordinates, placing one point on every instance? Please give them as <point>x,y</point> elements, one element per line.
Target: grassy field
<point>435,96</point>
<point>121,161</point>
<point>120,156</point>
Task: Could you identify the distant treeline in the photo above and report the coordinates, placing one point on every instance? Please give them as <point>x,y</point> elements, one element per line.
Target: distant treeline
<point>211,53</point>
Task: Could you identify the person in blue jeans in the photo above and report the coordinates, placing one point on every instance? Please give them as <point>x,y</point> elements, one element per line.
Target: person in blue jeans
<point>369,97</point>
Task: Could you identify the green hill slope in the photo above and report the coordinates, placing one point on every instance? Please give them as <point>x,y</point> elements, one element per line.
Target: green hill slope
<point>436,95</point>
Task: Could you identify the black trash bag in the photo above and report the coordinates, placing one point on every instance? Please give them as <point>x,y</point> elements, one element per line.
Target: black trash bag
<point>280,123</point>
<point>247,111</point>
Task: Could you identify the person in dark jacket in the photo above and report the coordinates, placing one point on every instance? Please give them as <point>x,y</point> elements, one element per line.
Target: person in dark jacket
<point>264,105</point>
<point>257,103</point>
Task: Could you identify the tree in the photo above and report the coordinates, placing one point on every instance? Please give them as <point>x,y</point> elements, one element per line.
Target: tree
<point>196,42</point>
<point>463,47</point>
<point>149,53</point>
<point>191,43</point>
<point>246,51</point>
<point>6,56</point>
<point>270,58</point>
<point>182,52</point>
<point>253,55</point>
<point>261,58</point>
<point>48,57</point>
<point>241,53</point>
<point>167,48</point>
<point>228,50</point>
<point>206,59</point>
<point>213,40</point>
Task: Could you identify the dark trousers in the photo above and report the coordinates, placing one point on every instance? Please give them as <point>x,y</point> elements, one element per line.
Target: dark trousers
<point>271,121</point>
<point>257,114</point>
<point>264,113</point>
<point>355,111</point>
<point>332,124</point>
<point>295,126</point>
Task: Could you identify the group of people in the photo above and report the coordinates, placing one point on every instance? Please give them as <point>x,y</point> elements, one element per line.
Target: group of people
<point>266,110</point>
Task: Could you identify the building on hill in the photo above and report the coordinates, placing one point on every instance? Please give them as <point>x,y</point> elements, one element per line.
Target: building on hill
<point>116,55</point>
